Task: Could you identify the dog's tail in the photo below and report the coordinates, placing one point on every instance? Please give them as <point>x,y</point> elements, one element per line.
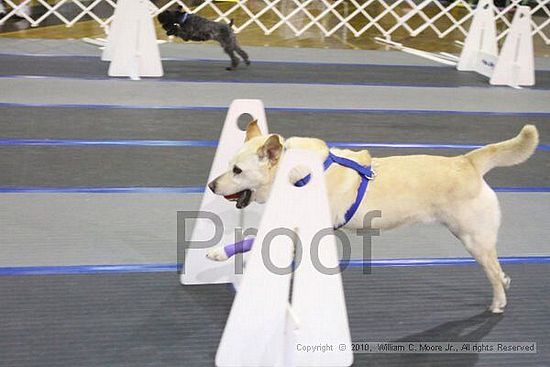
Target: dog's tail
<point>506,153</point>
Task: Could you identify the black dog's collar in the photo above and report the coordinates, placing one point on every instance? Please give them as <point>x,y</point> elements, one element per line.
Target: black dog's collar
<point>183,18</point>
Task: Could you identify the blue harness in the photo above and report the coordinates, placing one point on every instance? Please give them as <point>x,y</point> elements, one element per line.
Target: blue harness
<point>366,174</point>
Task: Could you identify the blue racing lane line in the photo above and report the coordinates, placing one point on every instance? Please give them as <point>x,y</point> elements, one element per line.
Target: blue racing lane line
<point>441,261</point>
<point>88,269</point>
<point>172,267</point>
<point>60,142</point>
<point>214,143</point>
<point>177,190</point>
<point>103,190</point>
<point>218,61</point>
<point>274,109</point>
<point>253,82</point>
<point>237,81</point>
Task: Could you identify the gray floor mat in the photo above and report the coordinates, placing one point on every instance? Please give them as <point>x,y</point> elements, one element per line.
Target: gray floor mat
<point>62,229</point>
<point>125,92</point>
<point>263,72</point>
<point>149,319</point>
<point>185,124</point>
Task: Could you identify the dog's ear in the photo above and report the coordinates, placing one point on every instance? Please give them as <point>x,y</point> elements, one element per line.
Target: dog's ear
<point>271,149</point>
<point>163,17</point>
<point>166,18</point>
<point>252,130</point>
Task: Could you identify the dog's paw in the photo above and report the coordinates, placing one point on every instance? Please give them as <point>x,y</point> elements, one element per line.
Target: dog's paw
<point>497,307</point>
<point>217,254</point>
<point>506,280</point>
<point>496,310</point>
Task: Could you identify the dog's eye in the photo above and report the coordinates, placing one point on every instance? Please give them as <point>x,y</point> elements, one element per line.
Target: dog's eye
<point>237,170</point>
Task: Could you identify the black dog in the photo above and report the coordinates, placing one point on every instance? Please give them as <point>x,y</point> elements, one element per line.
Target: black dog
<point>195,28</point>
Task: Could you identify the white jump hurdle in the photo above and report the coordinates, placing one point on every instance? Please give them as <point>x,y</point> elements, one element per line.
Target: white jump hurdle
<point>263,328</point>
<point>515,66</point>
<point>260,330</point>
<point>480,51</point>
<point>132,46</point>
<point>197,268</point>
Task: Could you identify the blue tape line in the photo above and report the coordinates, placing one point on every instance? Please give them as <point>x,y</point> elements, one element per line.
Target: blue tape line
<point>236,81</point>
<point>104,190</point>
<point>214,143</point>
<point>274,109</point>
<point>253,82</point>
<point>157,268</point>
<point>522,189</point>
<point>217,61</point>
<point>442,261</point>
<point>398,111</point>
<point>23,54</point>
<point>59,142</point>
<point>433,65</point>
<point>178,190</point>
<point>114,106</point>
<point>88,269</point>
<point>541,147</point>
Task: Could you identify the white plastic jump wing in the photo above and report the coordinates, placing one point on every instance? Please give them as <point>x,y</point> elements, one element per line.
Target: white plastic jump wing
<point>258,331</point>
<point>480,52</point>
<point>516,64</point>
<point>197,268</point>
<point>132,43</point>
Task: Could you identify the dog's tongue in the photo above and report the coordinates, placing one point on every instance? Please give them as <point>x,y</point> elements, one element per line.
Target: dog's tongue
<point>242,198</point>
<point>233,197</point>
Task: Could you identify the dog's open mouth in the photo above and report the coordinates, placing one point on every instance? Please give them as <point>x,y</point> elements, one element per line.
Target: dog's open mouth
<point>242,198</point>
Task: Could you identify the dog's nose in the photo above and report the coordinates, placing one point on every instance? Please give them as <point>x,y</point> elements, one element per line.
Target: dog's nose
<point>212,186</point>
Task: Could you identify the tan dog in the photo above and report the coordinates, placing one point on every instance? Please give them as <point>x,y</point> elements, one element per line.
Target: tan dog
<point>406,189</point>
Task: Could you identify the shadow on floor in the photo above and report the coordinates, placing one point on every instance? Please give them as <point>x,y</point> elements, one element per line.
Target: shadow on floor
<point>472,329</point>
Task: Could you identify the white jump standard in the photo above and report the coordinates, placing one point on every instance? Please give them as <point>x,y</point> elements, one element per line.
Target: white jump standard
<point>260,331</point>
<point>197,268</point>
<point>132,46</point>
<point>515,66</point>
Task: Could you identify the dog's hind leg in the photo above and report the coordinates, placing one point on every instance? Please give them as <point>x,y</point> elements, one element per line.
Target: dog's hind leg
<point>242,54</point>
<point>482,246</point>
<point>227,41</point>
<point>234,59</point>
<point>476,224</point>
